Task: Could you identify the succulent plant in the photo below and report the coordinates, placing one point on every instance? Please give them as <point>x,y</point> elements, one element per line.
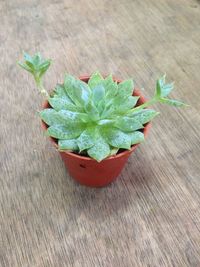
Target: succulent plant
<point>99,117</point>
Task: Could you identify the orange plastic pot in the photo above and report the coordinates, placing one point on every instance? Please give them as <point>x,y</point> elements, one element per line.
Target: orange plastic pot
<point>88,171</point>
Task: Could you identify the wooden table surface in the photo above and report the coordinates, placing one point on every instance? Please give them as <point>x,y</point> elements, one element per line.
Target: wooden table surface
<point>150,217</point>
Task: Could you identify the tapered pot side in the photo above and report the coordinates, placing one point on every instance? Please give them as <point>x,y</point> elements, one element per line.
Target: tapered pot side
<point>88,171</point>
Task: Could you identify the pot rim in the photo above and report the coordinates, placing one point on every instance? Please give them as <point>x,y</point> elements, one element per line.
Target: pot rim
<point>121,154</point>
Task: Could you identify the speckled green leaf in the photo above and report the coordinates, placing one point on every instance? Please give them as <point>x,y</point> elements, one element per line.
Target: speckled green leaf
<point>100,150</point>
<point>64,132</point>
<point>50,116</point>
<point>59,91</point>
<point>162,88</point>
<point>145,115</point>
<point>92,111</point>
<point>117,138</point>
<point>68,144</point>
<point>128,124</point>
<point>95,79</point>
<point>101,106</point>
<point>173,102</point>
<point>136,137</point>
<point>113,151</point>
<point>62,103</point>
<point>119,105</point>
<point>126,88</point>
<point>127,104</point>
<point>73,117</point>
<point>77,90</point>
<point>98,94</point>
<point>26,67</point>
<point>111,87</point>
<point>87,138</point>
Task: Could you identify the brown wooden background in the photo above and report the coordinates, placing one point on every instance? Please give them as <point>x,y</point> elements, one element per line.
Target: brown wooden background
<point>150,217</point>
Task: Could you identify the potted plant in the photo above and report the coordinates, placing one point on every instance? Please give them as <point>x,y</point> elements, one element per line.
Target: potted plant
<point>95,122</point>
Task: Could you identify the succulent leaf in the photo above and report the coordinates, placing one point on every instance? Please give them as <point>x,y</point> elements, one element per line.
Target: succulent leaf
<point>98,94</point>
<point>136,137</point>
<point>126,88</point>
<point>143,116</point>
<point>68,145</point>
<point>62,103</point>
<point>163,88</point>
<point>50,117</point>
<point>87,138</point>
<point>110,86</point>
<point>117,138</point>
<point>78,91</point>
<point>127,124</point>
<point>65,132</point>
<point>113,151</point>
<point>100,150</point>
<point>173,102</point>
<point>92,111</point>
<point>95,79</point>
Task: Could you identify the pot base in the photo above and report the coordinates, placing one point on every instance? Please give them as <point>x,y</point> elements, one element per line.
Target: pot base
<point>92,173</point>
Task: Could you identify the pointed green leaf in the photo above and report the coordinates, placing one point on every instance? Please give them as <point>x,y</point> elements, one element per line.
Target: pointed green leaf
<point>136,137</point>
<point>68,144</point>
<point>77,90</point>
<point>87,138</point>
<point>98,93</point>
<point>166,89</point>
<point>45,64</point>
<point>70,117</point>
<point>106,122</point>
<point>162,88</point>
<point>127,104</point>
<point>44,67</point>
<point>95,79</point>
<point>28,58</point>
<point>173,102</point>
<point>59,103</point>
<point>92,111</point>
<point>143,116</point>
<point>117,138</point>
<point>111,87</point>
<point>162,80</point>
<point>101,106</point>
<point>119,106</point>
<point>26,67</point>
<point>60,92</point>
<point>158,89</point>
<point>126,88</point>
<point>159,84</point>
<point>100,150</point>
<point>113,151</point>
<point>64,132</point>
<point>36,59</point>
<point>50,116</point>
<point>128,124</point>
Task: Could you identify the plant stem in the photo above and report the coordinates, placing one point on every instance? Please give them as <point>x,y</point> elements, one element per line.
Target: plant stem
<point>146,104</point>
<point>39,83</point>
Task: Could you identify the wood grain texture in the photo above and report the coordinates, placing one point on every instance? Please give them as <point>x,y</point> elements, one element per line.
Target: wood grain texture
<point>150,217</point>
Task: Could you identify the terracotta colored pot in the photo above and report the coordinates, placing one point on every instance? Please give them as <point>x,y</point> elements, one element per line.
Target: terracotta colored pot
<point>88,171</point>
